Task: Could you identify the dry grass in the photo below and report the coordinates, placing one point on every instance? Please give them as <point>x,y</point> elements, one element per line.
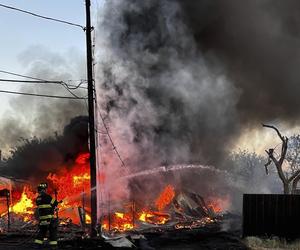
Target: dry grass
<point>256,243</point>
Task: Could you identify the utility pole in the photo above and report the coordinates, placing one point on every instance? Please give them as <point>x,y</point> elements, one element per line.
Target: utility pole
<point>8,212</point>
<point>89,60</point>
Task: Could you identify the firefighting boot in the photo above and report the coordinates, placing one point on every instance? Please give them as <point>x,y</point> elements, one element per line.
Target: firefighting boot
<point>37,246</point>
<point>53,244</point>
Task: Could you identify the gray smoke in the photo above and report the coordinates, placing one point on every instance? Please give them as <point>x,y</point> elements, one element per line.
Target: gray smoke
<point>28,117</point>
<point>162,96</point>
<point>35,158</point>
<point>187,76</point>
<point>257,42</point>
<point>178,81</point>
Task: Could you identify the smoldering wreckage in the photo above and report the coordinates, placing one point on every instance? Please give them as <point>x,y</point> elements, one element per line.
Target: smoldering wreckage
<point>171,212</point>
<point>175,82</point>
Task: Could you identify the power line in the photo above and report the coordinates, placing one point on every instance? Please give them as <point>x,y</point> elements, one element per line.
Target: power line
<point>73,87</point>
<point>111,140</point>
<point>42,95</point>
<point>70,86</point>
<point>54,82</point>
<point>26,81</point>
<point>40,16</point>
<point>15,74</point>
<point>68,89</point>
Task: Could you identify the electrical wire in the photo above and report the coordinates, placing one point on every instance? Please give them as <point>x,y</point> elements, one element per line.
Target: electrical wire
<point>54,82</point>
<point>39,79</point>
<point>26,81</point>
<point>111,140</point>
<point>43,17</point>
<point>66,87</point>
<point>15,74</point>
<point>42,95</point>
<point>77,86</point>
<point>107,133</point>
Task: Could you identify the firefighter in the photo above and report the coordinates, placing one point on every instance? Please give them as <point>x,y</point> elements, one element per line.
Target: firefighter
<point>46,206</point>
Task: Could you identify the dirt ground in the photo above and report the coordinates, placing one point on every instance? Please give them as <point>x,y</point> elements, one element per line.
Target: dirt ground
<point>225,235</point>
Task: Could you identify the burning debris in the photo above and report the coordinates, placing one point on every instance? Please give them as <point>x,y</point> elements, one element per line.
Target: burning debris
<point>181,209</point>
<point>171,208</point>
<point>173,103</point>
<point>165,198</point>
<point>71,186</point>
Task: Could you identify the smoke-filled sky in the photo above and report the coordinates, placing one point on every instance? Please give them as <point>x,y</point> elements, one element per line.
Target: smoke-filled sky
<point>201,75</point>
<point>178,82</point>
<point>43,49</point>
<point>186,79</point>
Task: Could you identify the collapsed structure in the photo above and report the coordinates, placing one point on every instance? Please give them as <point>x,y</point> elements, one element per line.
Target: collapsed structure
<point>176,208</point>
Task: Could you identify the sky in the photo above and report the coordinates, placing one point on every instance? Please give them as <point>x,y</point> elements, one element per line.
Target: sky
<point>20,32</point>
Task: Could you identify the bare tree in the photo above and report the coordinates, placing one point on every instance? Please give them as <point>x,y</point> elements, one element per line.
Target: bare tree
<point>293,158</point>
<point>247,172</point>
<point>284,177</point>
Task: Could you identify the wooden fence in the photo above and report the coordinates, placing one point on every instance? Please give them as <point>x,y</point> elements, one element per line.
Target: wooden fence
<point>271,214</point>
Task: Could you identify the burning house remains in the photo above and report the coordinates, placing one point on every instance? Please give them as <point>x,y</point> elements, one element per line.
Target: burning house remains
<point>69,180</point>
<point>178,208</point>
<point>177,84</point>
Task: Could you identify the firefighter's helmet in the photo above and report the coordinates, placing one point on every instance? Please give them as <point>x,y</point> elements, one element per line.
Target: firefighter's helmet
<point>42,186</point>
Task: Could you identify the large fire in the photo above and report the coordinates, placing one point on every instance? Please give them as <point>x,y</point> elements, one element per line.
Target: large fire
<point>25,204</point>
<point>162,213</point>
<point>123,221</point>
<point>71,186</point>
<point>165,198</point>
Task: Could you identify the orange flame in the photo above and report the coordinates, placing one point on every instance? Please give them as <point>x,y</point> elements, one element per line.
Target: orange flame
<point>120,221</point>
<point>70,184</point>
<point>25,204</point>
<point>73,186</point>
<point>218,204</point>
<point>215,207</point>
<point>156,218</point>
<point>165,198</point>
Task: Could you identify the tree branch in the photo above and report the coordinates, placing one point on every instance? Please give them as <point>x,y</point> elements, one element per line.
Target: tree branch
<point>295,182</point>
<point>294,175</point>
<point>271,157</point>
<point>283,150</point>
<point>277,163</point>
<point>273,127</point>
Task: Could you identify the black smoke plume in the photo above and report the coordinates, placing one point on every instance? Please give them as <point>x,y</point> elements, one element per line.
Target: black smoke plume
<point>43,134</point>
<point>33,159</point>
<point>26,117</point>
<point>179,81</point>
<point>184,78</point>
<point>257,43</point>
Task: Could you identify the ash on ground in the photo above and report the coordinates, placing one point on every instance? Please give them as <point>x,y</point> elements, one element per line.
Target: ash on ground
<point>224,233</point>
